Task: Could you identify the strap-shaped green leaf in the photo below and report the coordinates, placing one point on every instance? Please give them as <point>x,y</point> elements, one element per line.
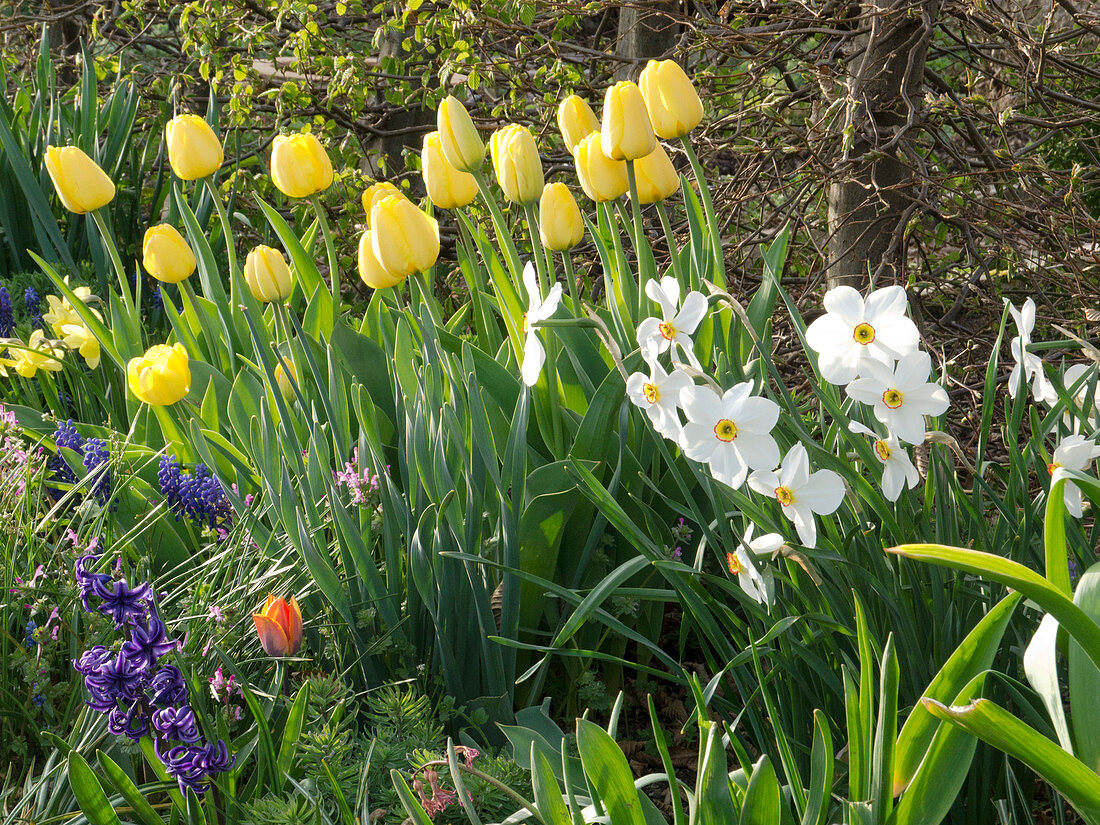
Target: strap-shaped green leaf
<point>993,724</point>
<point>609,773</point>
<point>89,793</point>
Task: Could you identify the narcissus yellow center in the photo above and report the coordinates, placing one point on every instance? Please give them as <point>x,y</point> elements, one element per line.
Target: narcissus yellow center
<point>784,496</point>
<point>892,399</point>
<point>882,450</point>
<point>863,333</point>
<point>650,392</point>
<point>1052,467</point>
<point>524,325</point>
<point>668,332</point>
<point>734,564</point>
<point>725,430</point>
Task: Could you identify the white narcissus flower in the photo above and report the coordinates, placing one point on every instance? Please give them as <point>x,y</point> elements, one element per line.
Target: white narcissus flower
<point>1075,452</point>
<point>675,325</point>
<point>902,396</point>
<point>758,584</point>
<point>730,432</point>
<point>659,395</point>
<point>801,492</point>
<point>1088,406</point>
<point>1029,366</point>
<point>854,332</point>
<point>897,468</point>
<point>534,356</point>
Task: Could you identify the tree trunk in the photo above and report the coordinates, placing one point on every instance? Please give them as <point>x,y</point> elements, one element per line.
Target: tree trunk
<point>646,29</point>
<point>870,201</point>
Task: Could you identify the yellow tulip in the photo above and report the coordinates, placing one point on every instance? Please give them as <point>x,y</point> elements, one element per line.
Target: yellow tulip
<point>656,177</point>
<point>299,165</point>
<point>601,178</point>
<point>286,377</point>
<point>80,183</point>
<point>627,133</point>
<point>375,193</point>
<point>670,98</point>
<point>560,224</point>
<point>370,270</point>
<point>279,626</point>
<point>194,151</point>
<point>166,255</point>
<point>517,164</point>
<point>458,137</point>
<point>161,376</point>
<point>80,338</point>
<point>447,187</point>
<point>576,120</point>
<point>40,355</point>
<point>404,239</point>
<point>267,275</point>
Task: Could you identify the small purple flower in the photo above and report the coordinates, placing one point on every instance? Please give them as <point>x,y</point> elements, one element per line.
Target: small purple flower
<point>91,584</point>
<point>148,642</point>
<point>191,764</point>
<point>126,605</point>
<point>177,723</point>
<point>167,687</point>
<point>96,454</point>
<point>91,660</point>
<point>131,723</point>
<point>117,678</point>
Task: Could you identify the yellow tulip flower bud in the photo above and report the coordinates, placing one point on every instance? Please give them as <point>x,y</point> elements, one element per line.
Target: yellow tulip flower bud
<point>627,133</point>
<point>286,376</point>
<point>576,120</point>
<point>517,164</point>
<point>447,187</point>
<point>166,255</point>
<point>375,192</point>
<point>560,224</point>
<point>601,178</point>
<point>194,151</point>
<point>267,274</point>
<point>80,183</point>
<point>370,270</point>
<point>656,177</point>
<point>299,165</point>
<point>404,239</point>
<point>161,376</point>
<point>458,137</point>
<point>670,98</point>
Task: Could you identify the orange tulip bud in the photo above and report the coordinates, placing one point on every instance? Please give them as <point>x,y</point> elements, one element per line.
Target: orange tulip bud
<point>279,626</point>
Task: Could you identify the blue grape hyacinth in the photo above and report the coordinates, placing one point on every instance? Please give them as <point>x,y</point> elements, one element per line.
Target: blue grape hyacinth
<point>7,315</point>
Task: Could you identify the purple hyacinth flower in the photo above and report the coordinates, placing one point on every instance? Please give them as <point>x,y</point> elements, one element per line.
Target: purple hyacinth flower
<point>91,660</point>
<point>177,723</point>
<point>119,677</point>
<point>126,605</point>
<point>91,584</point>
<point>167,687</point>
<point>148,642</point>
<point>131,723</point>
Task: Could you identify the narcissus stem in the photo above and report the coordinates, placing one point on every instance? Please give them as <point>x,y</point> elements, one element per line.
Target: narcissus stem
<point>673,251</point>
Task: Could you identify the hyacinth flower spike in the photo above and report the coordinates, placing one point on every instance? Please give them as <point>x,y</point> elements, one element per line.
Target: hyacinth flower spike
<point>279,626</point>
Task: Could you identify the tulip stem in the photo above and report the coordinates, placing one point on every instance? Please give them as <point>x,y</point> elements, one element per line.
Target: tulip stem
<point>708,208</point>
<point>330,249</point>
<point>132,320</point>
<point>639,235</point>
<point>223,217</point>
<point>537,251</point>
<point>673,250</point>
<point>503,235</point>
<point>571,281</point>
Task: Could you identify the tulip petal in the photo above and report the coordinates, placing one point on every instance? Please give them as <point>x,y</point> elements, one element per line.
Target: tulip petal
<point>272,638</point>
